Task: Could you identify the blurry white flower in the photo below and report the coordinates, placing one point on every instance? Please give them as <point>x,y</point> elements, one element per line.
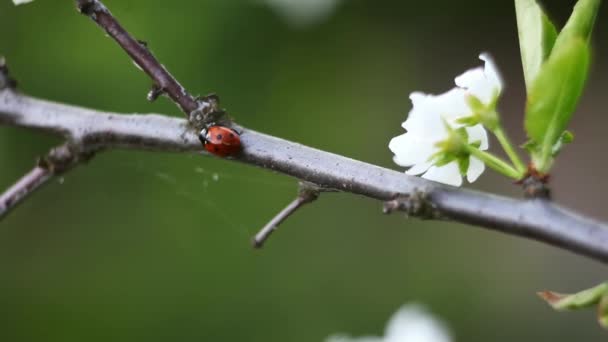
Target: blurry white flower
<point>435,119</point>
<point>412,323</point>
<point>20,2</point>
<point>484,83</point>
<point>303,13</point>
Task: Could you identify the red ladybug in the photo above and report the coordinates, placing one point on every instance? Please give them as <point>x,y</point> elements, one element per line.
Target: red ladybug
<point>220,140</point>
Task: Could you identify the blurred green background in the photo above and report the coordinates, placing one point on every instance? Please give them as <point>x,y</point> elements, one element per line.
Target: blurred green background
<point>140,246</point>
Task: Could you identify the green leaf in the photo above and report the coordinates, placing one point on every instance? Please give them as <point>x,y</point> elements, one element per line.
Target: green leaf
<point>554,95</point>
<point>443,159</point>
<point>583,299</point>
<point>595,296</point>
<point>536,37</point>
<point>564,139</point>
<point>602,312</point>
<point>468,121</point>
<point>531,146</point>
<point>463,165</point>
<point>580,24</point>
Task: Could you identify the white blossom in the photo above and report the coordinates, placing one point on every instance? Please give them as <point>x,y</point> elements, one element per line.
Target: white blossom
<point>21,2</point>
<point>411,323</point>
<point>303,13</point>
<point>427,120</point>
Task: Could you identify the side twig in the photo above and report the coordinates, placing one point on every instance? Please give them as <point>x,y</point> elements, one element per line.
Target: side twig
<point>197,110</point>
<point>306,194</point>
<point>57,161</point>
<point>536,219</point>
<point>88,131</point>
<point>30,182</point>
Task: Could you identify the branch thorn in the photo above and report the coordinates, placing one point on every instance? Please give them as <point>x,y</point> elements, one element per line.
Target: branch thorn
<point>154,93</point>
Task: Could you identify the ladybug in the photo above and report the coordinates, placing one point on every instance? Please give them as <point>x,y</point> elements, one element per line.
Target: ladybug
<point>221,141</point>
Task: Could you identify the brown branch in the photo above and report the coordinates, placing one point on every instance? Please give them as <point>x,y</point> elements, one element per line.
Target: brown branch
<point>307,193</point>
<point>197,110</point>
<point>89,131</point>
<point>56,162</point>
<point>14,195</point>
<point>92,130</point>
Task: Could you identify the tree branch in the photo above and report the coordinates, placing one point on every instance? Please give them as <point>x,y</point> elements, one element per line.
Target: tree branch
<point>89,131</point>
<point>59,160</point>
<point>93,130</point>
<point>307,193</point>
<point>29,183</point>
<point>140,54</point>
<point>197,110</point>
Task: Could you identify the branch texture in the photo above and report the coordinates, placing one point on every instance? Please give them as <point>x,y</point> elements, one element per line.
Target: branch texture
<point>93,130</point>
<point>29,183</point>
<point>307,193</point>
<point>89,131</point>
<point>140,54</point>
<point>199,111</point>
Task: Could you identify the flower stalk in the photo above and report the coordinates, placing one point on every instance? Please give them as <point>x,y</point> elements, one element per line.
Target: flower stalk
<point>494,162</point>
<point>507,146</point>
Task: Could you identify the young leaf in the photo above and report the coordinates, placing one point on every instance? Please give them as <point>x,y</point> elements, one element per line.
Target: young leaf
<point>580,23</point>
<point>595,296</point>
<point>564,139</point>
<point>554,95</point>
<point>536,37</point>
<point>531,146</point>
<point>579,300</point>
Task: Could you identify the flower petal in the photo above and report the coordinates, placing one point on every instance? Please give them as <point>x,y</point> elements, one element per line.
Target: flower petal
<point>345,338</point>
<point>478,133</point>
<point>491,71</point>
<point>452,106</point>
<point>470,78</point>
<point>418,168</point>
<point>484,83</point>
<point>424,119</point>
<point>476,168</point>
<point>412,323</point>
<point>410,149</point>
<point>447,174</point>
<point>414,115</point>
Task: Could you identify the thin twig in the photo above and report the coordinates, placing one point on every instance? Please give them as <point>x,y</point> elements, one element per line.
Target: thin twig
<point>196,109</point>
<point>56,162</point>
<point>90,130</point>
<point>25,186</point>
<point>536,219</point>
<point>139,53</point>
<point>307,193</point>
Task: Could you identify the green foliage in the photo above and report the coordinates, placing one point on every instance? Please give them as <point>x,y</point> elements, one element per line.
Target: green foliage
<point>553,97</point>
<point>595,296</point>
<point>580,23</point>
<point>555,69</point>
<point>536,37</point>
<point>566,138</point>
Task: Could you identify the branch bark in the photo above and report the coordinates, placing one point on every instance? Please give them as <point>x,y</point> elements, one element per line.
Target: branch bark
<point>307,193</point>
<point>93,130</point>
<point>199,111</point>
<point>89,131</point>
<point>29,183</point>
<point>139,53</point>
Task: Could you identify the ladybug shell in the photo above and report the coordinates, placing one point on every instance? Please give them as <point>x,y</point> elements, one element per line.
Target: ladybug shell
<point>221,141</point>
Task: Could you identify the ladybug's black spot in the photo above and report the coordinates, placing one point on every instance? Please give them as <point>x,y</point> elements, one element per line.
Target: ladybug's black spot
<point>218,137</point>
<point>216,148</point>
<point>232,135</point>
